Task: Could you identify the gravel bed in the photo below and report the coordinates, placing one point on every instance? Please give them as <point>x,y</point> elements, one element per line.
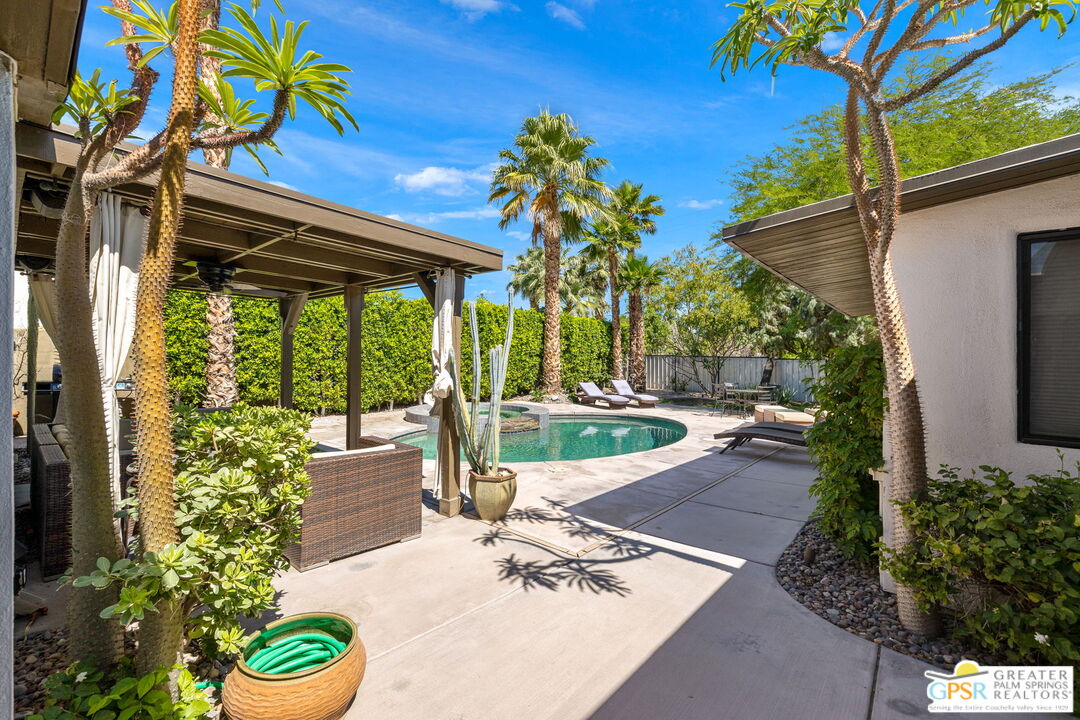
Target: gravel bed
<point>847,594</point>
<point>43,653</point>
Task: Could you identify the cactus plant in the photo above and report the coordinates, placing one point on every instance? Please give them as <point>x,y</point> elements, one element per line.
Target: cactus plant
<point>480,440</point>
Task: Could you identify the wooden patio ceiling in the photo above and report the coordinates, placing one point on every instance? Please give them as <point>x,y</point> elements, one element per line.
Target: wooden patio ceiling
<point>820,247</point>
<point>277,239</point>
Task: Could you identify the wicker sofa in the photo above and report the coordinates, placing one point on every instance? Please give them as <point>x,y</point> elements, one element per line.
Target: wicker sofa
<point>360,499</point>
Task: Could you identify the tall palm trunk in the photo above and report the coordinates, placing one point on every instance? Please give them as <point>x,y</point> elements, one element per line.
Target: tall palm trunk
<point>878,217</point>
<point>637,341</point>
<point>221,389</point>
<point>552,365</point>
<point>616,320</point>
<point>162,631</point>
<point>93,533</point>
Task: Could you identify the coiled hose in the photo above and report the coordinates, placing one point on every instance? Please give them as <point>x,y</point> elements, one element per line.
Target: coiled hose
<point>296,653</point>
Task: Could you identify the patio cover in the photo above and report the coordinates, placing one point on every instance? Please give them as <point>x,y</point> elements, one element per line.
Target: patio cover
<point>283,245</point>
<point>820,247</point>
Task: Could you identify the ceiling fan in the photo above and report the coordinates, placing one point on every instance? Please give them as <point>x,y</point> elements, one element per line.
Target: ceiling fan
<point>218,278</point>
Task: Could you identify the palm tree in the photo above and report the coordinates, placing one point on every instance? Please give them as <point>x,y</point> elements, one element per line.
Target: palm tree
<point>528,277</point>
<point>639,211</point>
<point>577,287</point>
<point>606,242</point>
<point>638,276</point>
<point>549,176</point>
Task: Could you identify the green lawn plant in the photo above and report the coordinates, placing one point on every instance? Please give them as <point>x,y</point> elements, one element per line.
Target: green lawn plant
<point>1017,546</point>
<point>239,487</point>
<point>846,446</point>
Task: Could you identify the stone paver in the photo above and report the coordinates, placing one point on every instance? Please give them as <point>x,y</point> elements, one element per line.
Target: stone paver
<point>666,606</point>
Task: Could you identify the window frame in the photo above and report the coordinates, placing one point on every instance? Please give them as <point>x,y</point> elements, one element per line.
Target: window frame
<point>1024,242</point>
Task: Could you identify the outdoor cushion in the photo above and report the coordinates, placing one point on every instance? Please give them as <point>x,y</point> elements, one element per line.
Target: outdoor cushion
<point>594,393</point>
<point>793,416</point>
<point>623,388</point>
<point>358,451</point>
<point>760,412</point>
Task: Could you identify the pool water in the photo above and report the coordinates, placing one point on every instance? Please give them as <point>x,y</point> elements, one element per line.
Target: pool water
<point>571,437</point>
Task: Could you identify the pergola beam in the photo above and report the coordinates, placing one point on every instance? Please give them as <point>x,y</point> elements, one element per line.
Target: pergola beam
<point>448,444</point>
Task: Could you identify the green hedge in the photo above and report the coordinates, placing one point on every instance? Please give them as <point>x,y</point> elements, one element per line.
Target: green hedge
<point>846,446</point>
<point>396,359</point>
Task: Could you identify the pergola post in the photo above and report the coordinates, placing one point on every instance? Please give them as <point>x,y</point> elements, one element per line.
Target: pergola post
<point>289,308</point>
<point>448,458</point>
<point>354,310</point>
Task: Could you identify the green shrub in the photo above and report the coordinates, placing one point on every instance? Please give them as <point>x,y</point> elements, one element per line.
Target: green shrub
<point>396,356</point>
<point>239,486</point>
<point>82,692</point>
<point>846,445</point>
<point>1019,546</point>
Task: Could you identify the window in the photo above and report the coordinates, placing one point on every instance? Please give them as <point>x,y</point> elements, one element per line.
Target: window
<point>1049,338</point>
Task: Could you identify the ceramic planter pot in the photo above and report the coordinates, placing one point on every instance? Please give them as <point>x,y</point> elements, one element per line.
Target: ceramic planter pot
<point>323,692</point>
<point>492,494</point>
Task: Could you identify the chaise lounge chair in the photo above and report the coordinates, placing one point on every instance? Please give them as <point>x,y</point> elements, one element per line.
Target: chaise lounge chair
<point>588,395</point>
<point>785,433</point>
<point>643,401</point>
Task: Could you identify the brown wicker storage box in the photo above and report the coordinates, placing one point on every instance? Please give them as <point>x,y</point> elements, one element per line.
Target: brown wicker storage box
<point>359,501</point>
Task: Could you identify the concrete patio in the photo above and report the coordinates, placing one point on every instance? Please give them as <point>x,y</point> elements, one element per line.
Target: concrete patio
<point>633,587</point>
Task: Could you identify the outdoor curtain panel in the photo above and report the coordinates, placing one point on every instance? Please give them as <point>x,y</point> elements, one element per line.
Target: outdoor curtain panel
<point>117,232</point>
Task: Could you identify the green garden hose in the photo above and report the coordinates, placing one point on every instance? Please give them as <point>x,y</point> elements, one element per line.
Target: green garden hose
<point>296,653</point>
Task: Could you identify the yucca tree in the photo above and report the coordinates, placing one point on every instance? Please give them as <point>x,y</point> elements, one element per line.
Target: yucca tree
<point>638,276</point>
<point>550,177</point>
<point>777,32</point>
<point>105,115</point>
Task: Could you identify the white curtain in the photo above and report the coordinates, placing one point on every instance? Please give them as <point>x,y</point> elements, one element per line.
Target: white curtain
<point>442,337</point>
<point>117,232</point>
<point>43,289</point>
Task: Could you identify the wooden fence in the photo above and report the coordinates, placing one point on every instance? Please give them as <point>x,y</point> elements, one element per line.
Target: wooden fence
<point>681,373</point>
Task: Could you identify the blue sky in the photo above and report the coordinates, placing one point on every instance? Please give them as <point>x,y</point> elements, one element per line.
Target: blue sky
<point>440,87</point>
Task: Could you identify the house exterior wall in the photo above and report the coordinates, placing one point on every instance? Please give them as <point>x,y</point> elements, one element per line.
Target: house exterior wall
<point>956,268</point>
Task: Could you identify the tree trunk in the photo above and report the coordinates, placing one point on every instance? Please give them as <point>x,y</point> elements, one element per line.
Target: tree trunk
<point>161,632</point>
<point>616,320</point>
<point>878,216</point>
<point>221,390</point>
<point>637,341</point>
<point>93,533</point>
<point>552,364</point>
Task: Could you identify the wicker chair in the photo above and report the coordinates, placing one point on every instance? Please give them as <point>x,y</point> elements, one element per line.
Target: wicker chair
<point>360,499</point>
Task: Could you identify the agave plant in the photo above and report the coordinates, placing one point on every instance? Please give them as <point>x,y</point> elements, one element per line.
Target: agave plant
<point>480,440</point>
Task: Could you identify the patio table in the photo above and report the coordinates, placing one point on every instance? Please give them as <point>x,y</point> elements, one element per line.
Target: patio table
<point>746,397</point>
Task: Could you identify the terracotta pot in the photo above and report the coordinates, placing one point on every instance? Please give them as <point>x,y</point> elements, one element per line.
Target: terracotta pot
<point>493,494</point>
<point>319,693</point>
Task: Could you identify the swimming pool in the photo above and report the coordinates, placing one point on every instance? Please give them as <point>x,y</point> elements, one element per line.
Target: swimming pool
<point>574,437</point>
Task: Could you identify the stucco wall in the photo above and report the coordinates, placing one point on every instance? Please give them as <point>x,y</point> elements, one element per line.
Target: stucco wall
<point>956,269</point>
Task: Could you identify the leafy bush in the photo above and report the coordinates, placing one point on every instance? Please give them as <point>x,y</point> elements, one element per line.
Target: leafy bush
<point>82,692</point>
<point>1017,546</point>
<point>396,360</point>
<point>239,487</point>
<point>846,445</point>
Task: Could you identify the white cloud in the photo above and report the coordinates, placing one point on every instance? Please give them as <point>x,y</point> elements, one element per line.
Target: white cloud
<point>432,218</point>
<point>832,41</point>
<point>701,204</point>
<point>285,185</point>
<point>565,14</point>
<point>476,9</point>
<point>519,235</point>
<point>444,180</point>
